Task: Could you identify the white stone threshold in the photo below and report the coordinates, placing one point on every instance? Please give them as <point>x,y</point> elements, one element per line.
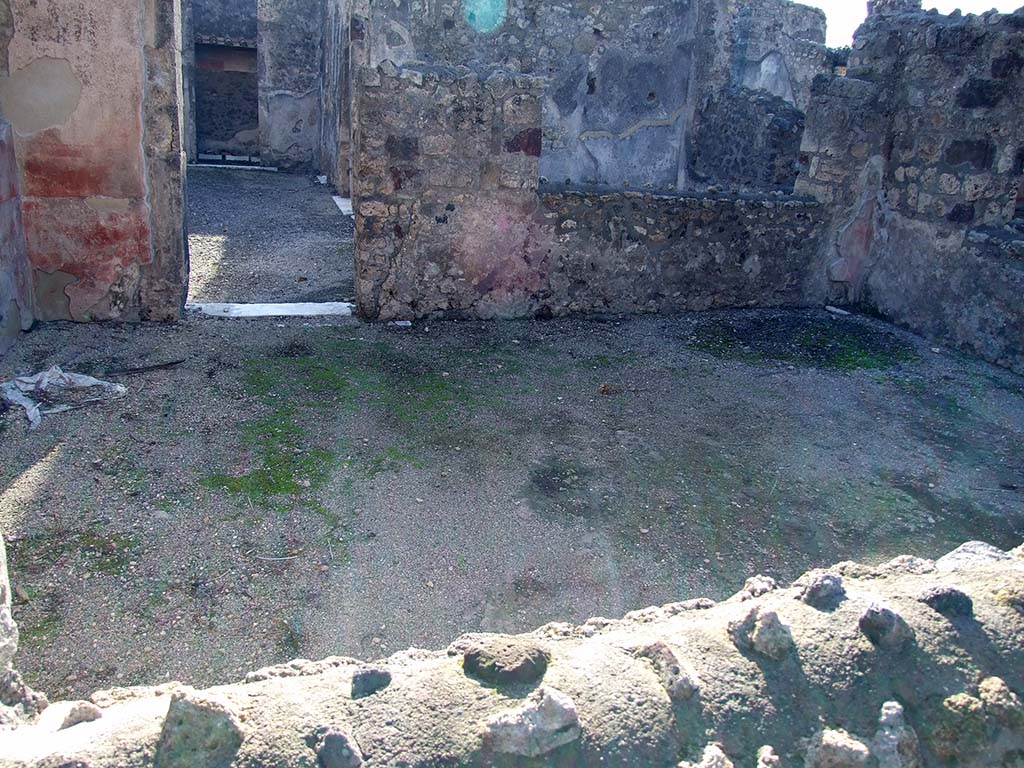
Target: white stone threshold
<point>233,167</point>
<point>344,204</point>
<point>307,309</point>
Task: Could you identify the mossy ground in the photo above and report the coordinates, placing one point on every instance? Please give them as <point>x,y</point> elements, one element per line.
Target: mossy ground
<point>313,489</point>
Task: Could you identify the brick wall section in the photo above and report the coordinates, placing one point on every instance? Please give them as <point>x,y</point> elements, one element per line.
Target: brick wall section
<point>919,151</point>
<point>450,220</point>
<point>16,309</point>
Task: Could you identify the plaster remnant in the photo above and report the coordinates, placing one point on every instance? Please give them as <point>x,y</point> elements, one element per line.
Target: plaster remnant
<point>108,204</point>
<point>41,95</point>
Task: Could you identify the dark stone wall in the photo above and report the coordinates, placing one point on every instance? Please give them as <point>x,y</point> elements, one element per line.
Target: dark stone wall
<point>230,21</point>
<point>451,218</point>
<point>918,152</point>
<point>748,141</point>
<point>227,100</point>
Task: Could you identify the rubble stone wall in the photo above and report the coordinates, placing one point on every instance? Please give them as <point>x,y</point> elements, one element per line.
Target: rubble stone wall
<point>99,152</point>
<point>451,218</point>
<point>909,664</point>
<point>920,152</point>
<point>627,84</point>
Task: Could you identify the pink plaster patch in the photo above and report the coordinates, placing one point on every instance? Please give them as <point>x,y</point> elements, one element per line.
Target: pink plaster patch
<point>96,247</point>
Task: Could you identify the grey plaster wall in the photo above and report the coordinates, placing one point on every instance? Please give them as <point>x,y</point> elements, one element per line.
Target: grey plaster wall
<point>289,39</point>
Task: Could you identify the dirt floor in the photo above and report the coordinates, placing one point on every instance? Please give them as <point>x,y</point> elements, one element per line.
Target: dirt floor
<point>256,236</point>
<point>315,488</point>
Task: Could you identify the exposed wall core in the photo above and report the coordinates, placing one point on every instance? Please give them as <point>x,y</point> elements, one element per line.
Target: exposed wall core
<point>917,151</point>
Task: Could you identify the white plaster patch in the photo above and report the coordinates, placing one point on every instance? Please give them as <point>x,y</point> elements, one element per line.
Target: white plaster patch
<point>43,94</point>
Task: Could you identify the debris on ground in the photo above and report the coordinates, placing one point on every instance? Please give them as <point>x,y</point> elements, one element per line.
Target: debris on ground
<point>49,386</point>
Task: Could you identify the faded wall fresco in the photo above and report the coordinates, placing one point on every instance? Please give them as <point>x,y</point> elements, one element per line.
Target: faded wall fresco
<point>99,150</point>
<point>288,46</point>
<point>227,100</point>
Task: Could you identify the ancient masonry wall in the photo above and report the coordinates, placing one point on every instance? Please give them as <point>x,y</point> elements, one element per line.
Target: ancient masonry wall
<point>99,153</point>
<point>626,84</point>
<point>289,38</point>
<point>227,100</point>
<point>909,664</point>
<point>16,305</point>
<point>450,219</point>
<point>921,151</point>
<point>225,22</point>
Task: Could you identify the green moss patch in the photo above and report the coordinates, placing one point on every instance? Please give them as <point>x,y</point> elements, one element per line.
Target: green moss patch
<point>838,344</point>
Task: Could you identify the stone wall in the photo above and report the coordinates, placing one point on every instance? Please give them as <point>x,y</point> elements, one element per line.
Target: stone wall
<point>289,49</point>
<point>779,48</point>
<point>450,219</point>
<point>919,150</point>
<point>16,306</point>
<point>627,84</point>
<point>336,132</point>
<point>227,100</point>
<point>909,664</point>
<point>225,22</point>
<point>93,94</point>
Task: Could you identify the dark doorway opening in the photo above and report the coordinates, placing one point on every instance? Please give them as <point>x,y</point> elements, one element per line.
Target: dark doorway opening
<point>227,105</point>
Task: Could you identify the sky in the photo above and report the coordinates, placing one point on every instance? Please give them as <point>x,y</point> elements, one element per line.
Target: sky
<point>844,16</point>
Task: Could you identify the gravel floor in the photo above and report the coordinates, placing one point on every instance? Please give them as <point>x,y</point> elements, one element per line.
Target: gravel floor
<point>313,488</point>
<point>266,237</point>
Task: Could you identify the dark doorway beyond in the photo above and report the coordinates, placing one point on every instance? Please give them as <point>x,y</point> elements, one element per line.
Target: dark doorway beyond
<point>227,104</point>
<point>257,236</point>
